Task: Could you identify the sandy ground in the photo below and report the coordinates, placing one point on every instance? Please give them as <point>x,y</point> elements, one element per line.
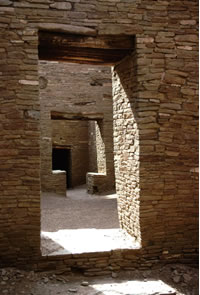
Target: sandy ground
<point>81,223</point>
<point>78,210</point>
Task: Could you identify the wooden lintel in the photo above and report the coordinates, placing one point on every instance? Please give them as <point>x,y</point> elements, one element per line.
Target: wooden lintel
<point>83,55</point>
<point>76,116</point>
<point>59,145</point>
<point>107,50</point>
<point>72,40</point>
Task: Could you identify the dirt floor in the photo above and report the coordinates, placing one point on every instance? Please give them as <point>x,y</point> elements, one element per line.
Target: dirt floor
<point>81,223</point>
<point>78,210</point>
<point>168,280</point>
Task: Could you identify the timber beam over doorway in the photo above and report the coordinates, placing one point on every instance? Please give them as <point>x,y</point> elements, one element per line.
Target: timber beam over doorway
<point>100,50</point>
<point>76,116</point>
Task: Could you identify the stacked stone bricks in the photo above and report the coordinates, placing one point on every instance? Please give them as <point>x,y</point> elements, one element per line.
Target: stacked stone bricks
<point>155,125</point>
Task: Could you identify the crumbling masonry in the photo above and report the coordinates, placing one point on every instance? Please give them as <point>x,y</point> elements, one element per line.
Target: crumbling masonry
<point>155,119</point>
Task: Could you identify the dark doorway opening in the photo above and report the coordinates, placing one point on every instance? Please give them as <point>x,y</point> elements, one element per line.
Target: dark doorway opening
<point>61,160</point>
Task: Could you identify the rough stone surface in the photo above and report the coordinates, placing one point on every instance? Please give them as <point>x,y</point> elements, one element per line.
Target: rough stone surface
<point>61,5</point>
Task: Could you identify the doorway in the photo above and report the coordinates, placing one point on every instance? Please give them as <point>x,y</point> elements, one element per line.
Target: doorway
<point>92,97</point>
<point>62,160</point>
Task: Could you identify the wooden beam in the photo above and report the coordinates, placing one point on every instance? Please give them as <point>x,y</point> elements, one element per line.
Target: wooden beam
<point>83,55</point>
<point>76,116</point>
<point>84,49</point>
<point>72,40</point>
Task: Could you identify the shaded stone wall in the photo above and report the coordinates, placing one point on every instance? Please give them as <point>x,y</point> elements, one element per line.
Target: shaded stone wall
<point>100,145</point>
<point>73,135</point>
<point>92,145</point>
<point>97,161</point>
<point>165,112</point>
<point>19,140</point>
<point>74,88</point>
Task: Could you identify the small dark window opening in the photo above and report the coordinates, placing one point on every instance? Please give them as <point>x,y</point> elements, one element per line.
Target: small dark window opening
<point>61,160</point>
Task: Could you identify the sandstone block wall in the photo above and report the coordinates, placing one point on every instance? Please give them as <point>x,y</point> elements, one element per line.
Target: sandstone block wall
<point>160,109</point>
<point>158,202</point>
<point>74,136</point>
<point>127,145</point>
<point>100,148</point>
<point>92,146</point>
<point>55,182</point>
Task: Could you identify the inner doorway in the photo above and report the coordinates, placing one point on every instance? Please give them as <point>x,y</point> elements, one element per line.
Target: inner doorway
<point>62,160</point>
<point>89,211</point>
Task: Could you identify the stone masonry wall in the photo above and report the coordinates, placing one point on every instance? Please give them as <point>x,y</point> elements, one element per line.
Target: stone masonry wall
<point>97,159</point>
<point>100,145</point>
<point>74,88</point>
<point>168,97</point>
<point>163,129</point>
<point>19,140</point>
<point>100,154</point>
<point>163,119</point>
<point>126,145</point>
<point>92,146</point>
<point>73,135</point>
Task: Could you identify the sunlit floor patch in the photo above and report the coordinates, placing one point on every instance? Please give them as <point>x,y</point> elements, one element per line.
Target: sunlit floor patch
<point>134,288</point>
<point>85,240</point>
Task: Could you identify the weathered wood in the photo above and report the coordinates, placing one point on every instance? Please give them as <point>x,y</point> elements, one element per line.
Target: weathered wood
<point>84,49</point>
<point>58,145</point>
<point>72,40</point>
<point>76,116</point>
<point>83,55</point>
